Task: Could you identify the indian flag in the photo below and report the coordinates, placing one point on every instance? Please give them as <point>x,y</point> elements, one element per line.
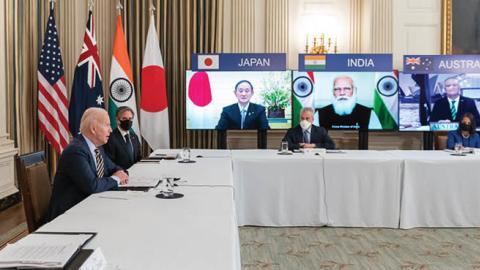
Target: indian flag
<point>303,86</point>
<point>315,62</point>
<point>122,92</point>
<point>385,100</point>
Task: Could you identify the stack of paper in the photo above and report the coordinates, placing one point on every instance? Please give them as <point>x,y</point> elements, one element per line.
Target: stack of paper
<point>42,250</point>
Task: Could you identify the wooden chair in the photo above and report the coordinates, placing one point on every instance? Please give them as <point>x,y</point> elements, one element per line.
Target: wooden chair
<point>441,138</point>
<point>35,187</point>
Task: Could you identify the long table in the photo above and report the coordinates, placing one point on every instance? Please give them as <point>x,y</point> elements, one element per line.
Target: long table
<point>135,230</point>
<point>395,189</point>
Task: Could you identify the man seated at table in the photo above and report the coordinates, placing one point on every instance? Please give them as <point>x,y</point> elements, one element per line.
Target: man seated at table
<point>307,135</point>
<point>123,146</point>
<point>244,114</point>
<point>83,167</point>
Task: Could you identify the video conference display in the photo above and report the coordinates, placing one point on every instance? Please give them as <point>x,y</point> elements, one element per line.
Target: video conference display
<point>431,102</point>
<point>348,100</point>
<point>218,100</point>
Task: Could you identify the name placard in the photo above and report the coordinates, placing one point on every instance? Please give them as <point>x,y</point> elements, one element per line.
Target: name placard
<point>435,126</point>
<point>425,64</point>
<point>239,62</point>
<point>345,62</point>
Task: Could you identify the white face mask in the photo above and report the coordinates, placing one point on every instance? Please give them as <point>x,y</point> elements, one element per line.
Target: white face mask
<point>305,124</point>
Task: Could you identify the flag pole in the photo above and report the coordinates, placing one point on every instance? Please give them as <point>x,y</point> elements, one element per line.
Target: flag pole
<point>152,9</point>
<point>119,7</point>
<point>52,4</point>
<point>90,5</point>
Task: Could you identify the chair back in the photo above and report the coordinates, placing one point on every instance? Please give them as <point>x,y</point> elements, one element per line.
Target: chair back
<point>35,187</point>
<point>441,138</point>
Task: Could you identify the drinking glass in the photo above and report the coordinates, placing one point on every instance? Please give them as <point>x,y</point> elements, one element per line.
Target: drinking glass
<point>185,154</point>
<point>284,147</point>
<point>458,148</point>
<point>168,186</point>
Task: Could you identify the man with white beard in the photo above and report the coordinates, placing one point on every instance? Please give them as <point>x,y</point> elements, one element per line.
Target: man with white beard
<point>344,112</point>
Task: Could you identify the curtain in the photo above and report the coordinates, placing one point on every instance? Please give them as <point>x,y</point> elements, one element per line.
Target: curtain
<point>184,27</point>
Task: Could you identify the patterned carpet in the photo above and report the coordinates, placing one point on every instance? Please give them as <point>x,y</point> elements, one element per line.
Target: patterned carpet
<point>359,248</point>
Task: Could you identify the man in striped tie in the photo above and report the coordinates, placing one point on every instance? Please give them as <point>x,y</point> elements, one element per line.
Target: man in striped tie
<point>84,168</point>
<point>453,105</point>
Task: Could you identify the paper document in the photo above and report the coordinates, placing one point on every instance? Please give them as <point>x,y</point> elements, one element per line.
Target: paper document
<point>42,250</point>
<point>141,182</point>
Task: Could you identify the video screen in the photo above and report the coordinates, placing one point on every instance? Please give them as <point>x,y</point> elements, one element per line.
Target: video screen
<point>435,102</point>
<point>348,100</point>
<point>238,100</point>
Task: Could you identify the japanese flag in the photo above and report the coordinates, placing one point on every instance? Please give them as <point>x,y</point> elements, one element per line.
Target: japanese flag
<point>208,62</point>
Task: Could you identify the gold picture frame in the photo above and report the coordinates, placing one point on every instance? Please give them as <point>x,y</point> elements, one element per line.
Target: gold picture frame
<point>460,27</point>
<point>446,27</point>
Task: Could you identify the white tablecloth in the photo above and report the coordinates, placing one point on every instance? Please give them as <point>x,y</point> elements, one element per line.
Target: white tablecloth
<point>198,231</point>
<point>204,172</point>
<point>439,190</point>
<point>194,153</point>
<point>363,189</point>
<point>275,190</point>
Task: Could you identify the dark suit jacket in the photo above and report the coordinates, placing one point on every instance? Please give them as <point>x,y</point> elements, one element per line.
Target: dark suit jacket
<point>231,118</point>
<point>318,136</point>
<point>441,110</point>
<point>76,177</point>
<point>116,149</point>
<point>359,117</point>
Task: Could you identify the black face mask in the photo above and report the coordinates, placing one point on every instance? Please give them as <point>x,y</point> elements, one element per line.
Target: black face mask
<point>465,127</point>
<point>126,124</point>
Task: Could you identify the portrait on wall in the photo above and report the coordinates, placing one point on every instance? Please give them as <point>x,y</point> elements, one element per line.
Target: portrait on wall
<point>461,27</point>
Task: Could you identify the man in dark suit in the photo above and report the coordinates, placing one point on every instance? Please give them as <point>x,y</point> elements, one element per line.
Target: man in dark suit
<point>123,146</point>
<point>344,112</point>
<point>84,168</point>
<point>452,106</point>
<point>307,135</point>
<point>244,114</point>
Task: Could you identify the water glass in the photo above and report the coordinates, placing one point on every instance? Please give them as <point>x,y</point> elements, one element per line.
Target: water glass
<point>185,154</point>
<point>458,148</point>
<point>284,147</point>
<point>168,186</point>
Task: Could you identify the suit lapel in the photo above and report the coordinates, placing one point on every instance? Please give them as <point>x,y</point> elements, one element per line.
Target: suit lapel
<point>122,142</point>
<point>236,115</point>
<point>248,116</point>
<point>91,161</point>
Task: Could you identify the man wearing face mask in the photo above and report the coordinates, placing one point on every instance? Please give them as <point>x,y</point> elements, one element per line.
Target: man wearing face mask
<point>307,135</point>
<point>123,146</point>
<point>466,133</point>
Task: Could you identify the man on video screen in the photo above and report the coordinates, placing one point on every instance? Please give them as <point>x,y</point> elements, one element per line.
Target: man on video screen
<point>344,112</point>
<point>453,105</point>
<point>244,114</point>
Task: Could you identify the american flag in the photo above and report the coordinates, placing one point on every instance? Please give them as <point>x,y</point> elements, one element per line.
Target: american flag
<point>52,94</point>
<point>87,88</point>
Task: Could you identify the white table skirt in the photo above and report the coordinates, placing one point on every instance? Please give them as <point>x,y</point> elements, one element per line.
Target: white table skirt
<point>274,190</point>
<point>440,190</point>
<point>198,231</point>
<point>363,189</point>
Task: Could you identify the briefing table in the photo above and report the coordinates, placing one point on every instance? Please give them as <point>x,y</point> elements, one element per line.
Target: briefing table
<point>135,230</point>
<point>224,189</point>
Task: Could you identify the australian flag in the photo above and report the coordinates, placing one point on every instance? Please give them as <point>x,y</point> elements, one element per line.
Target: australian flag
<point>87,88</point>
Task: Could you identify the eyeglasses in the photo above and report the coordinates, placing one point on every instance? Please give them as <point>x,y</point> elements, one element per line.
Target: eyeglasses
<point>344,89</point>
